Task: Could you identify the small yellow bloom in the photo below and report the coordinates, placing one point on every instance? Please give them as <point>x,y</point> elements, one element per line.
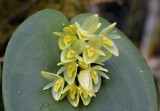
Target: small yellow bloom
<point>71,54</point>
<point>67,37</point>
<point>70,70</point>
<point>86,98</point>
<point>88,27</point>
<point>73,27</point>
<point>72,92</point>
<point>108,39</point>
<point>90,51</point>
<point>83,34</point>
<point>57,86</point>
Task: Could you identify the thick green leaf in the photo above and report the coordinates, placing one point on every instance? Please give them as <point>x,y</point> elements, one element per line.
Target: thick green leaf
<point>0,71</point>
<point>1,101</point>
<point>33,48</point>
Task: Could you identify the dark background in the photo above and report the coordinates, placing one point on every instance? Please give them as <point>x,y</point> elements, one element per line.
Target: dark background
<point>138,19</point>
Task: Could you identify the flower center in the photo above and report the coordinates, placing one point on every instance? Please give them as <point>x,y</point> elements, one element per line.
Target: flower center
<point>83,34</point>
<point>57,85</point>
<point>71,54</point>
<point>72,93</point>
<point>94,77</point>
<point>107,41</point>
<point>90,51</point>
<point>70,70</point>
<point>68,39</point>
<point>70,66</point>
<point>82,64</point>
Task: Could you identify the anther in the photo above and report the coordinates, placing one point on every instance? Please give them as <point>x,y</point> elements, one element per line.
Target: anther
<point>104,38</point>
<point>72,52</point>
<point>92,49</point>
<point>70,66</point>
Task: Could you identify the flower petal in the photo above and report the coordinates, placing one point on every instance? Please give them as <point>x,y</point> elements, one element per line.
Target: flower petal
<point>62,45</point>
<point>96,42</point>
<point>113,36</point>
<point>105,58</point>
<point>98,63</point>
<point>68,31</point>
<point>64,58</point>
<point>90,24</point>
<point>70,80</point>
<point>107,29</point>
<point>78,26</point>
<point>85,80</point>
<point>63,95</point>
<point>51,84</point>
<point>66,88</point>
<point>98,26</point>
<point>98,67</point>
<point>60,34</point>
<point>88,59</point>
<point>113,49</point>
<point>102,74</point>
<point>83,35</point>
<point>79,58</point>
<point>65,91</point>
<point>73,27</point>
<point>91,93</point>
<point>50,76</point>
<point>87,100</point>
<point>62,69</point>
<point>78,46</point>
<point>97,86</point>
<point>107,41</point>
<point>100,52</point>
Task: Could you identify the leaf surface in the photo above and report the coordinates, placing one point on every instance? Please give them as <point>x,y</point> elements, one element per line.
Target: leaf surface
<point>33,48</point>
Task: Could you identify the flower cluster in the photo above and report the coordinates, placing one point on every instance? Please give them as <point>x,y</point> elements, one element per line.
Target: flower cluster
<point>83,51</point>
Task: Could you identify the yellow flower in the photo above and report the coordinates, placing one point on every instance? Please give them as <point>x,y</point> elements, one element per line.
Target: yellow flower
<point>85,95</point>
<point>67,37</point>
<point>72,54</point>
<point>107,39</point>
<point>92,50</point>
<point>57,84</point>
<point>70,72</point>
<point>96,74</point>
<point>88,28</point>
<point>72,93</point>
